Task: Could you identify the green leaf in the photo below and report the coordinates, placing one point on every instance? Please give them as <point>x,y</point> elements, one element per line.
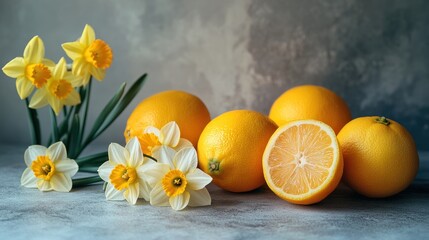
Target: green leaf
<point>86,106</point>
<point>80,182</point>
<point>95,158</point>
<point>129,96</point>
<point>105,112</point>
<point>34,124</point>
<point>89,169</point>
<point>74,137</point>
<point>55,132</point>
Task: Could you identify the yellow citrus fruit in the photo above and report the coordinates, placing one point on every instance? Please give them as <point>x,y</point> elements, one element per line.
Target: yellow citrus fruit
<point>302,162</point>
<point>380,156</point>
<point>311,102</point>
<point>187,110</point>
<point>231,146</point>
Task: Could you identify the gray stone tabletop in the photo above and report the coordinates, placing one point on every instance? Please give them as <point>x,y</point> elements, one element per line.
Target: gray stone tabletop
<point>85,214</point>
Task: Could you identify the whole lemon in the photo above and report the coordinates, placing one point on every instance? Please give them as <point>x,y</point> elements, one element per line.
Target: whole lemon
<point>311,102</point>
<point>187,110</point>
<point>231,146</point>
<point>380,156</point>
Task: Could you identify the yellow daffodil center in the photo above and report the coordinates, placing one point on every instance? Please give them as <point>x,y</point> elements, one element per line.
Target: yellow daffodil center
<point>99,54</point>
<point>174,183</point>
<point>43,168</point>
<point>38,74</point>
<point>60,88</point>
<point>121,176</point>
<point>148,141</point>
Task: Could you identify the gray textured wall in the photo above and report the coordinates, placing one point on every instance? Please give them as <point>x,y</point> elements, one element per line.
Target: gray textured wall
<point>237,54</point>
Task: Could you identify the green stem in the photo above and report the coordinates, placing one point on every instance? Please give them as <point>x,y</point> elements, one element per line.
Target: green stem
<point>150,157</point>
<point>33,121</point>
<point>85,114</point>
<point>80,182</point>
<point>55,133</point>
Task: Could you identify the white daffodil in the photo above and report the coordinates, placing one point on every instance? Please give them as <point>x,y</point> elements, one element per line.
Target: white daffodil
<point>176,180</point>
<point>48,168</point>
<point>169,135</point>
<point>124,172</point>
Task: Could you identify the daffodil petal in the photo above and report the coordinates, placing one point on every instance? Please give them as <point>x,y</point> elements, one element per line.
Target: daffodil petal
<point>88,35</point>
<point>153,173</point>
<point>200,198</point>
<point>165,155</point>
<point>60,69</point>
<point>186,159</point>
<point>98,73</point>
<point>197,179</point>
<point>112,194</point>
<point>61,183</point>
<point>44,185</point>
<point>72,99</point>
<point>55,104</point>
<point>86,75</point>
<point>79,66</point>
<point>183,143</point>
<point>32,152</point>
<point>144,190</point>
<point>39,99</point>
<point>132,193</point>
<point>76,81</point>
<point>35,50</point>
<point>73,49</point>
<point>67,166</point>
<point>158,196</point>
<point>180,201</point>
<point>48,63</point>
<point>28,179</point>
<point>105,170</point>
<point>57,152</point>
<point>24,87</point>
<point>136,155</point>
<point>171,134</point>
<point>152,130</point>
<point>118,154</point>
<point>15,68</point>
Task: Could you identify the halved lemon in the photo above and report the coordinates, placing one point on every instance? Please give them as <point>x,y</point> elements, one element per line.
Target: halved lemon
<point>302,162</point>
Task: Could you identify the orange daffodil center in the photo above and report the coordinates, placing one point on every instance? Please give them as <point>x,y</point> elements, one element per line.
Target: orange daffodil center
<point>43,168</point>
<point>174,183</point>
<point>38,74</point>
<point>99,54</point>
<point>148,142</point>
<point>121,176</point>
<point>60,88</point>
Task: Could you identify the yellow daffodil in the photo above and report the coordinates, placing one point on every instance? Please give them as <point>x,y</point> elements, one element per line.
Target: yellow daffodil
<point>58,91</point>
<point>90,56</point>
<point>48,168</point>
<point>176,180</point>
<point>169,135</point>
<point>125,172</point>
<point>31,70</point>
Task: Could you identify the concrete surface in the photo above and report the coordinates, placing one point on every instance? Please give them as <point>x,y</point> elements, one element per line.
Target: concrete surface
<point>85,214</point>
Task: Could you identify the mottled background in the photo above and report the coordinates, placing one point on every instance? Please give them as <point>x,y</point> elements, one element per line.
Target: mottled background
<point>236,54</point>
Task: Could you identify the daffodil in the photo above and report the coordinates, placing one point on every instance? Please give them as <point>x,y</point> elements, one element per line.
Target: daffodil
<point>31,70</point>
<point>90,56</point>
<point>176,180</point>
<point>125,172</point>
<point>169,135</point>
<point>58,91</point>
<point>48,168</point>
